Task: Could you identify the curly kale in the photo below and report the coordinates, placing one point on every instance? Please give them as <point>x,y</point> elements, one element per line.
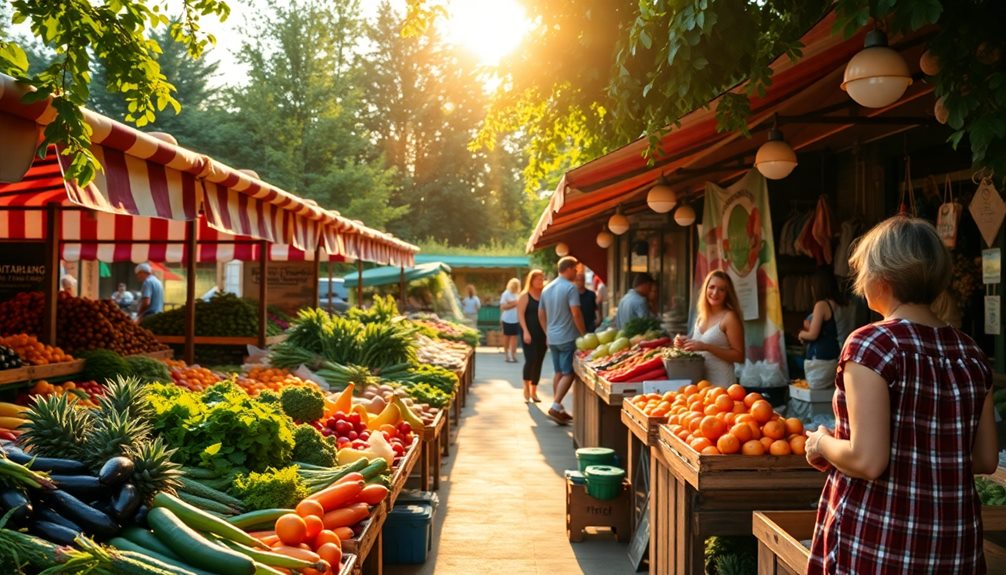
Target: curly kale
<point>303,403</point>
<point>311,447</point>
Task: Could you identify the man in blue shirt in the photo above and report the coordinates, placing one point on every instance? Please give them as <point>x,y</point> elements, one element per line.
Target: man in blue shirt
<point>151,292</point>
<point>559,313</point>
<point>635,303</point>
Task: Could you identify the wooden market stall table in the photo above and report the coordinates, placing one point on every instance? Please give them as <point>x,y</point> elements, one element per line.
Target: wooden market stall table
<point>644,432</point>
<point>697,496</point>
<point>61,370</point>
<point>597,410</point>
<point>432,452</point>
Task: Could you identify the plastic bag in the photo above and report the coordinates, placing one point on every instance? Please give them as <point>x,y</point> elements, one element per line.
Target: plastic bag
<point>820,372</point>
<point>257,355</point>
<point>304,373</point>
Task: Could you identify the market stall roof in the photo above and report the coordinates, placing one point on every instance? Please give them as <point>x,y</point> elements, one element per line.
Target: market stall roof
<point>389,275</point>
<point>804,95</point>
<point>508,262</point>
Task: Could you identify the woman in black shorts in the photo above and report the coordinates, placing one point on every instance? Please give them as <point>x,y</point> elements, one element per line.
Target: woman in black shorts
<point>533,340</point>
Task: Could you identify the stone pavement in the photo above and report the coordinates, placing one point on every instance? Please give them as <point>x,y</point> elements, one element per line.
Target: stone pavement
<point>502,496</point>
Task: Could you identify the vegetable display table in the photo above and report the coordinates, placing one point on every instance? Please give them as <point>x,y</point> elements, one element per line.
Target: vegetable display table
<point>219,340</point>
<point>49,371</point>
<point>697,496</point>
<point>368,545</point>
<point>401,473</point>
<point>348,564</point>
<point>431,453</point>
<point>597,411</point>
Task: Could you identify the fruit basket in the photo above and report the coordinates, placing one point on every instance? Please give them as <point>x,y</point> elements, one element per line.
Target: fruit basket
<point>644,426</point>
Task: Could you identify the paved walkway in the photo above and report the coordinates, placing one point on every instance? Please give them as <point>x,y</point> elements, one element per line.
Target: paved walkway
<point>503,492</point>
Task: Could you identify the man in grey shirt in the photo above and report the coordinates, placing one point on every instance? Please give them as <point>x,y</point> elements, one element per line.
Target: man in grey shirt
<point>151,292</point>
<point>559,313</point>
<point>635,303</point>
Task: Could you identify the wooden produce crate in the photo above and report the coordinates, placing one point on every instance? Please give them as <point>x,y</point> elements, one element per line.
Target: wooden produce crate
<point>49,371</point>
<point>400,475</point>
<point>430,454</point>
<point>163,354</point>
<point>348,564</point>
<point>368,545</point>
<point>695,496</point>
<point>643,434</point>
<point>584,511</point>
<point>597,416</point>
<point>644,427</point>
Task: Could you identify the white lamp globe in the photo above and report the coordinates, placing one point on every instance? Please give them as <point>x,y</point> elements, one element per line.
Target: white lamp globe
<point>605,239</point>
<point>877,76</point>
<point>775,158</point>
<point>561,249</point>
<point>618,224</point>
<point>661,198</point>
<point>685,216</point>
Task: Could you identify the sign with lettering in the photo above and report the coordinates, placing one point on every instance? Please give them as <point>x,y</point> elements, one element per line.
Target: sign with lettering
<point>289,286</point>
<point>988,210</point>
<point>22,268</point>
<point>993,317</point>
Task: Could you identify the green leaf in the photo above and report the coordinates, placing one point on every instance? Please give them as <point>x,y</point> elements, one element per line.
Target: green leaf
<point>14,58</point>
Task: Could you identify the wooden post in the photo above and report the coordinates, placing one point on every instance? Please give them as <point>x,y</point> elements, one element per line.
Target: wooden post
<point>191,231</point>
<point>359,281</point>
<point>316,268</point>
<point>401,288</point>
<point>329,264</point>
<point>51,291</point>
<point>263,290</point>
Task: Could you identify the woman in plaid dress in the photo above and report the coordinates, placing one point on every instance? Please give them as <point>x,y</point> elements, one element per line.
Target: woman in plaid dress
<point>914,423</point>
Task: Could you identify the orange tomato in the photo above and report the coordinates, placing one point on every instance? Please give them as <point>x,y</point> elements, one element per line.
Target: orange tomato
<point>712,427</point>
<point>310,507</point>
<point>724,403</point>
<point>728,444</point>
<point>700,443</point>
<point>291,529</point>
<point>753,447</point>
<point>774,429</point>
<point>742,432</point>
<point>315,525</point>
<point>780,447</point>
<point>762,411</point>
<point>797,444</point>
<point>736,392</point>
<point>752,397</point>
<point>794,425</point>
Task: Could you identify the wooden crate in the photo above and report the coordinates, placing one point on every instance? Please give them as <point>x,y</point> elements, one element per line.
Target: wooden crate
<point>400,475</point>
<point>584,511</point>
<point>218,340</point>
<point>348,564</point>
<point>597,420</point>
<point>643,426</point>
<point>430,454</point>
<point>33,372</point>
<point>163,354</point>
<point>362,545</point>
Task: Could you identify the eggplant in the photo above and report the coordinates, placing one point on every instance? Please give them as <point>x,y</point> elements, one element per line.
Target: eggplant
<point>84,486</point>
<point>90,519</point>
<point>115,471</point>
<point>11,498</point>
<point>43,513</point>
<point>126,502</point>
<point>47,464</point>
<point>140,519</point>
<point>52,532</point>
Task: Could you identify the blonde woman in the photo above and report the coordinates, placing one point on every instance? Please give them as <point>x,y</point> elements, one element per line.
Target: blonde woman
<point>533,334</point>
<point>914,422</point>
<point>508,317</point>
<point>719,332</point>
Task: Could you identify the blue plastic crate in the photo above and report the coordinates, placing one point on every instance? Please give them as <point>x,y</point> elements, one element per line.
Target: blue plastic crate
<point>408,534</point>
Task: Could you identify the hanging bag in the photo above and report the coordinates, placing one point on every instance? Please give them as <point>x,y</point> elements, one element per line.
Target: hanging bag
<point>949,216</point>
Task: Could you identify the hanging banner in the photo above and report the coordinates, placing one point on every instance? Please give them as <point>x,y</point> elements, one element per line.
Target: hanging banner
<point>737,237</point>
<point>993,319</point>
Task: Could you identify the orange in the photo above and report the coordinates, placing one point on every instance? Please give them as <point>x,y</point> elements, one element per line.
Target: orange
<point>736,392</point>
<point>752,397</point>
<point>700,443</point>
<point>703,384</point>
<point>780,447</point>
<point>674,419</point>
<point>712,427</point>
<point>724,403</point>
<point>767,442</point>
<point>774,429</point>
<point>742,432</point>
<point>744,417</point>
<point>797,445</point>
<point>689,390</point>
<point>659,412</point>
<point>711,450</point>
<point>753,447</point>
<point>762,411</point>
<point>730,418</point>
<point>794,425</point>
<point>728,444</point>
<point>693,423</point>
<point>755,429</point>
<point>714,392</point>
<point>682,433</point>
<point>711,410</point>
<point>291,529</point>
<point>310,507</point>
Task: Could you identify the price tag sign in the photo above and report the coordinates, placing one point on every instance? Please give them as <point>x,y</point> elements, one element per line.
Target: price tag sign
<point>988,210</point>
<point>663,386</point>
<point>991,266</point>
<point>993,319</point>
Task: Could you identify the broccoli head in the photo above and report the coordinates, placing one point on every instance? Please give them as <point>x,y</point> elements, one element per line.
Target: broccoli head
<point>268,396</point>
<point>274,489</point>
<point>303,403</point>
<point>312,447</point>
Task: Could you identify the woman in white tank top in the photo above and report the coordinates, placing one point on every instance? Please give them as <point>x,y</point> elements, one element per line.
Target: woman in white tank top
<point>719,332</point>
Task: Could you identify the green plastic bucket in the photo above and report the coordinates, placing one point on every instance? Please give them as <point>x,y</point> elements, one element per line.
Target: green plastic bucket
<point>587,456</point>
<point>604,482</point>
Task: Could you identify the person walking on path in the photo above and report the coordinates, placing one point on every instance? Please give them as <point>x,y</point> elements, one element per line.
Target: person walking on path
<point>470,305</point>
<point>719,332</point>
<point>533,336</point>
<point>508,317</point>
<point>151,292</point>
<point>588,303</point>
<point>560,314</point>
<point>914,422</point>
<point>635,303</point>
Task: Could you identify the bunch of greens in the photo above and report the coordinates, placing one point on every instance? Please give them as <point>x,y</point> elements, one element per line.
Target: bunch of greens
<point>990,492</point>
<point>426,393</point>
<point>148,370</point>
<point>274,488</point>
<point>439,377</point>
<point>640,325</point>
<point>383,311</point>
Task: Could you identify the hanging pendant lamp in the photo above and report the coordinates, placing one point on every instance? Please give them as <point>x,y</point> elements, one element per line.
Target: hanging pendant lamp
<point>685,215</point>
<point>877,76</point>
<point>661,198</point>
<point>561,249</point>
<point>605,239</point>
<point>618,223</point>
<point>775,158</point>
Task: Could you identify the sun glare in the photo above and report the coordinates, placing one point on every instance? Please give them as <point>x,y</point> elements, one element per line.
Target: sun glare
<point>490,29</point>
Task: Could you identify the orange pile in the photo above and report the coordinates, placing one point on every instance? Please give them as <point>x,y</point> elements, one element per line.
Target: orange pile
<point>259,379</point>
<point>192,377</point>
<point>33,351</point>
<point>83,394</point>
<point>713,421</point>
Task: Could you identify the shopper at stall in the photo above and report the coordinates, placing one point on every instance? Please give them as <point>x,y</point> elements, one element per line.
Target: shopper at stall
<point>821,332</point>
<point>559,313</point>
<point>509,320</point>
<point>151,292</point>
<point>533,336</point>
<point>636,302</point>
<point>122,297</point>
<point>68,285</point>
<point>601,289</point>
<point>470,305</point>
<point>719,332</point>
<point>588,303</point>
<point>913,422</point>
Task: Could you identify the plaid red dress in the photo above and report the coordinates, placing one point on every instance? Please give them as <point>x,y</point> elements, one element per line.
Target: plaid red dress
<point>923,514</point>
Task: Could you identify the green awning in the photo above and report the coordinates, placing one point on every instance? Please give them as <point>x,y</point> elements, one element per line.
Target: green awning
<point>388,275</point>
<point>509,262</point>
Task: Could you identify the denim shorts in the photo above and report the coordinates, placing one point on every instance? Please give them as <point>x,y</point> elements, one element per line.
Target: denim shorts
<point>562,357</point>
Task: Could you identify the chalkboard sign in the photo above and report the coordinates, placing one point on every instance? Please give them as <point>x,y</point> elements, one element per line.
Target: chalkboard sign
<point>639,547</point>
<point>290,284</point>
<point>22,268</point>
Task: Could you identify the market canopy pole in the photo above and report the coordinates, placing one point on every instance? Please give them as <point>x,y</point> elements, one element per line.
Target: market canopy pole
<point>190,291</point>
<point>316,274</point>
<point>359,276</point>
<point>51,273</point>
<point>263,270</point>
<point>401,288</point>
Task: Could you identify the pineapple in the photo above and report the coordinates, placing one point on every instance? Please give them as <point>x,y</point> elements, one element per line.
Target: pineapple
<point>126,395</point>
<point>153,469</point>
<point>56,427</point>
<point>113,433</point>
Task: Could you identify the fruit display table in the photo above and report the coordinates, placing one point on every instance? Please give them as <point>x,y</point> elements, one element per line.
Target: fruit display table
<point>368,545</point>
<point>597,411</point>
<point>432,453</point>
<point>49,371</point>
<point>697,496</point>
<point>643,434</point>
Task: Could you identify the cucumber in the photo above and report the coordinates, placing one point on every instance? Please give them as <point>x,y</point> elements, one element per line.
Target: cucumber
<point>137,552</point>
<point>374,468</point>
<point>199,473</point>
<point>202,521</point>
<point>261,518</point>
<point>202,553</point>
<point>206,504</point>
<point>198,488</point>
<point>271,559</point>
<point>148,540</point>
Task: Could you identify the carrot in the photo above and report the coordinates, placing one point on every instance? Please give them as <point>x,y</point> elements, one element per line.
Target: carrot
<point>261,534</point>
<point>297,553</point>
<point>347,516</point>
<point>372,494</point>
<point>270,540</point>
<point>354,476</point>
<point>344,533</point>
<point>338,495</point>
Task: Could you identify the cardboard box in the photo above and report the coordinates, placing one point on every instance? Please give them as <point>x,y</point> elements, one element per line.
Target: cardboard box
<point>811,395</point>
<point>584,511</point>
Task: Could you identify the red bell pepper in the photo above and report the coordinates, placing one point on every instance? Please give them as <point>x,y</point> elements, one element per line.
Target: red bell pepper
<point>654,374</point>
<point>644,367</point>
<point>653,343</point>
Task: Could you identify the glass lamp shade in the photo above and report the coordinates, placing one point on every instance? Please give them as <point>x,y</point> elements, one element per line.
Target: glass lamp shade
<point>605,239</point>
<point>661,198</point>
<point>561,249</point>
<point>775,158</point>
<point>877,76</point>
<point>618,224</point>
<point>685,216</point>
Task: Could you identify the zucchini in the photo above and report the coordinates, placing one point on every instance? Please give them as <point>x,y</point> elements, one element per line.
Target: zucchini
<point>202,553</point>
<point>197,488</point>
<point>374,468</point>
<point>82,486</point>
<point>207,504</point>
<point>147,540</point>
<point>131,550</point>
<point>126,502</point>
<point>261,518</point>
<point>199,520</point>
<point>115,471</point>
<point>199,473</point>
<point>90,519</point>
<point>52,531</point>
<point>272,559</point>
